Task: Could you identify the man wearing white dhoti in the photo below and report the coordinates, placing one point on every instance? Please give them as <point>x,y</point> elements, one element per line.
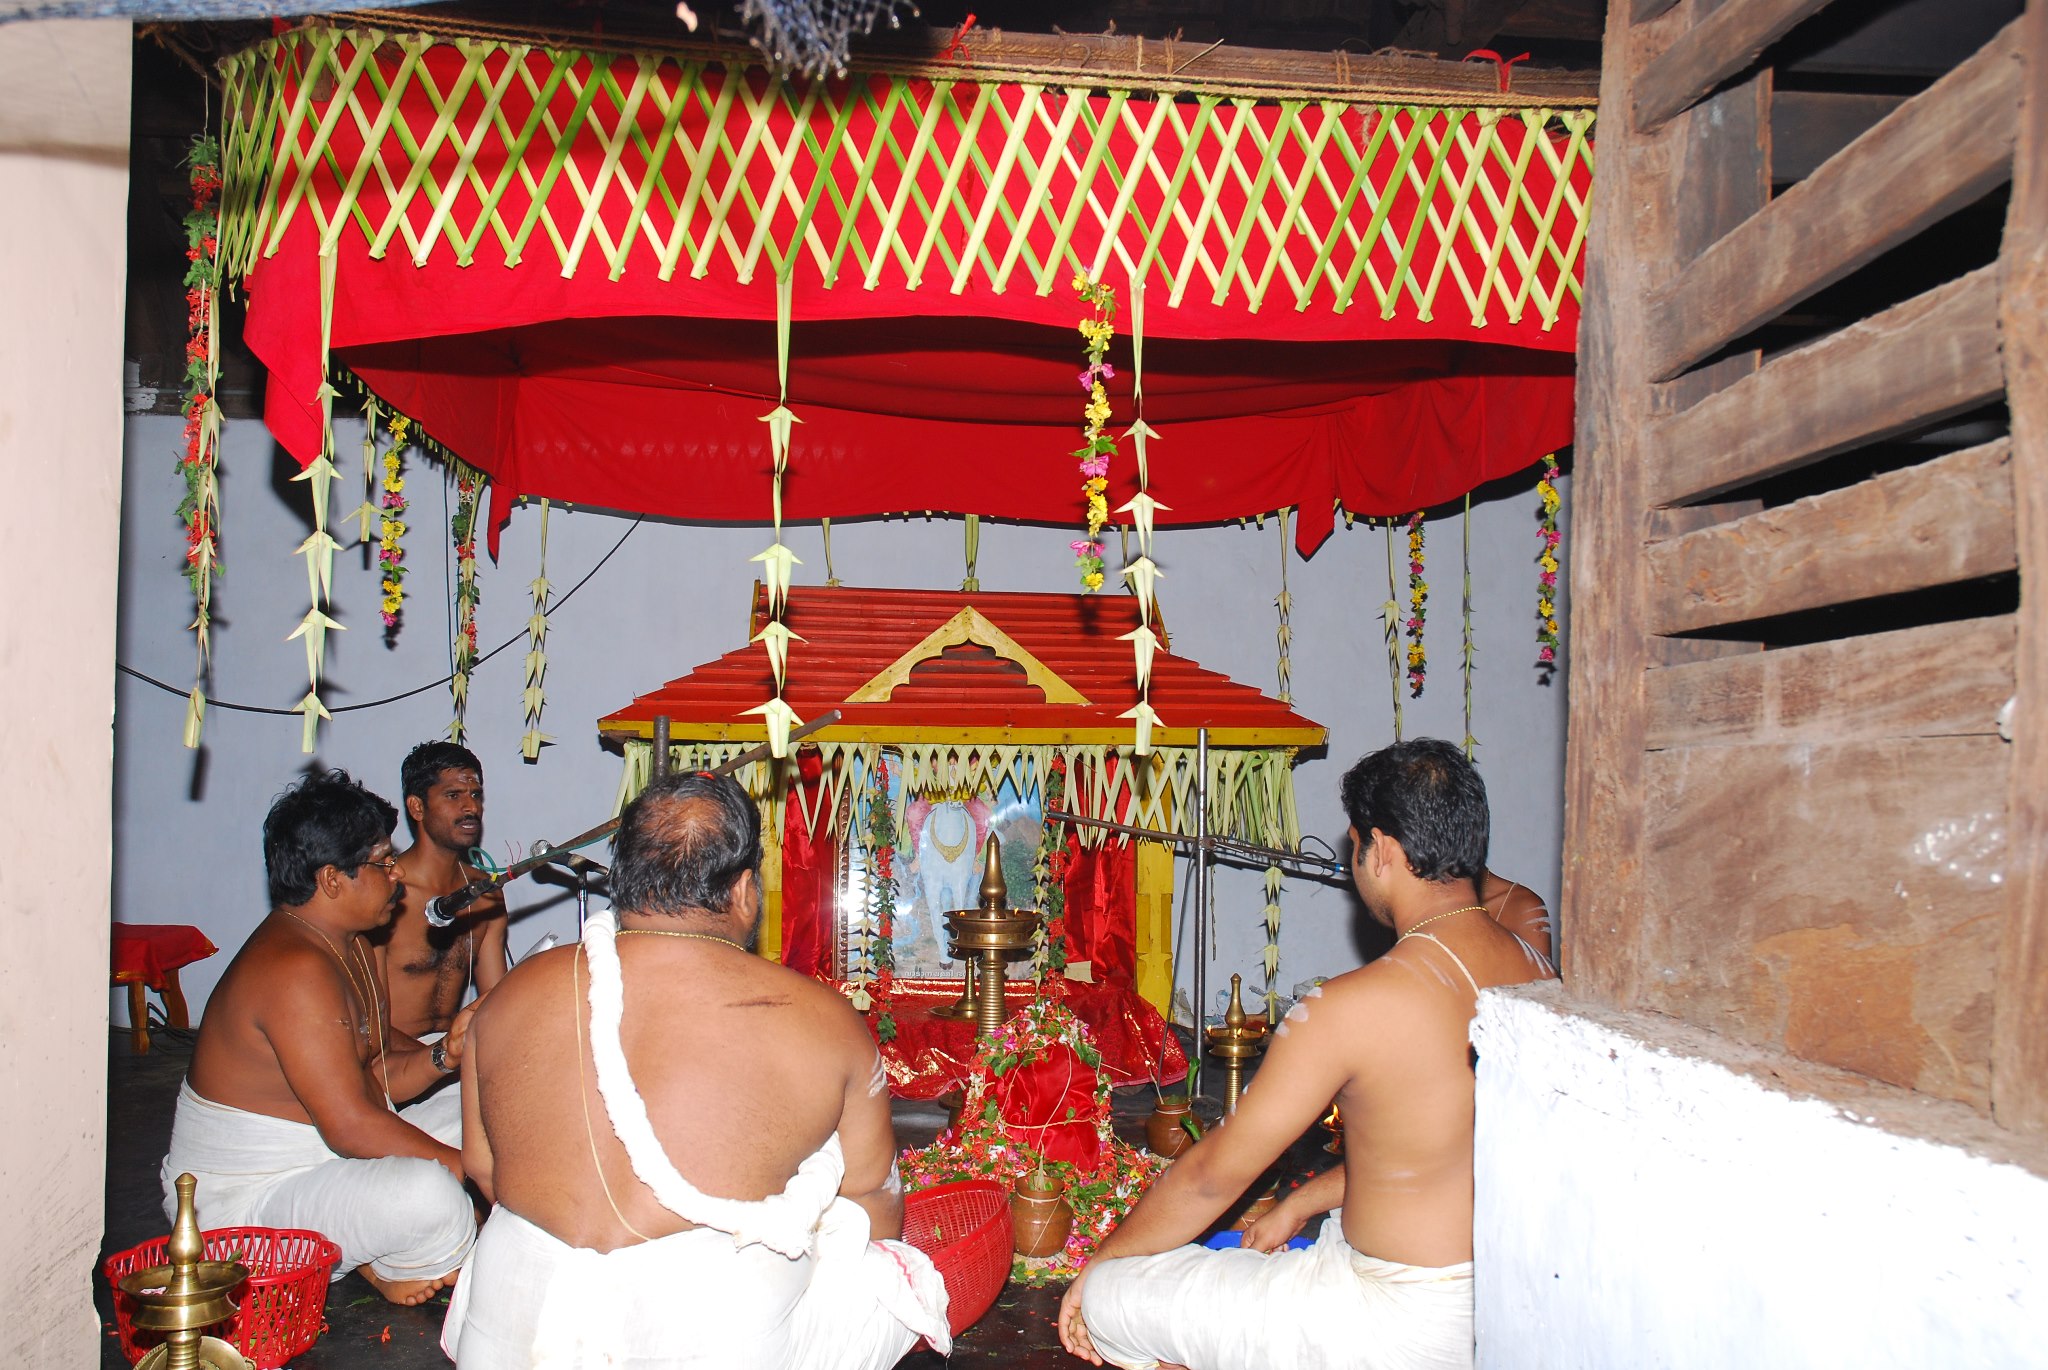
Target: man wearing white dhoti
<point>758,1084</point>
<point>287,1116</point>
<point>1388,1283</point>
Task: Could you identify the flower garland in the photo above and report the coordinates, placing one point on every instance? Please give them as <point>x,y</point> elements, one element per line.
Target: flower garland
<point>468,487</point>
<point>199,456</point>
<point>391,526</point>
<point>1049,880</point>
<point>1418,613</point>
<point>979,1147</point>
<point>1546,563</point>
<point>881,844</point>
<point>1096,330</point>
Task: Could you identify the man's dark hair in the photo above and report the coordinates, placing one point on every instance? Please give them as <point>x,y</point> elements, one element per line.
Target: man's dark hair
<point>683,843</point>
<point>423,766</point>
<point>1425,795</point>
<point>327,819</point>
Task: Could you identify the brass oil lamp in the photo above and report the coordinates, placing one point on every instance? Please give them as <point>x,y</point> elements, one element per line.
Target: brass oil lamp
<point>1234,1043</point>
<point>987,936</point>
<point>185,1295</point>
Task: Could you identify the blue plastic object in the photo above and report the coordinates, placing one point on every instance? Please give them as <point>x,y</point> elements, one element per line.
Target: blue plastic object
<point>1223,1241</point>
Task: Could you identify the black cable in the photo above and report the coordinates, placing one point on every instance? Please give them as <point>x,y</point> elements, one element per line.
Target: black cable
<point>393,699</point>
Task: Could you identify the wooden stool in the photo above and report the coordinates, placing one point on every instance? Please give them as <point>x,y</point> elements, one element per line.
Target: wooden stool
<point>148,956</point>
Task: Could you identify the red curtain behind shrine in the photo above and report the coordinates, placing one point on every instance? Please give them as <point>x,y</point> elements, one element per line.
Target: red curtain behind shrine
<point>1101,907</point>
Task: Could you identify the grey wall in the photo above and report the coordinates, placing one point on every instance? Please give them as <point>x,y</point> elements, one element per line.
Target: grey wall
<point>187,846</point>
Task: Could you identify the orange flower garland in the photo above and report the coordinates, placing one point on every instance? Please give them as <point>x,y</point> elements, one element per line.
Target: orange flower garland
<point>1546,565</point>
<point>1096,330</point>
<point>392,527</point>
<point>1418,598</point>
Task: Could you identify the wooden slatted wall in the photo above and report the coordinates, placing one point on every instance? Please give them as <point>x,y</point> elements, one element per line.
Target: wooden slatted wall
<point>1791,815</point>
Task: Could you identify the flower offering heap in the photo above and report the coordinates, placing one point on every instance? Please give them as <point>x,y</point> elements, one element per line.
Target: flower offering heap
<point>1038,1098</point>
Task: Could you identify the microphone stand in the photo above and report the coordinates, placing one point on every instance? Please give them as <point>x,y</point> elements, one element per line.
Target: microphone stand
<point>440,916</point>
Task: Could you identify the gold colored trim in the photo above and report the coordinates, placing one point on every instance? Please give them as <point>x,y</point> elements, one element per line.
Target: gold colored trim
<point>969,625</point>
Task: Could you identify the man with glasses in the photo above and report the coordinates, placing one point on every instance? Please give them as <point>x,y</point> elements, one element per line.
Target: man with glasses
<point>289,1116</point>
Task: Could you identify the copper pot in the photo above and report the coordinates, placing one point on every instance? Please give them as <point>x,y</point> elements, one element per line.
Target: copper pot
<point>1166,1133</point>
<point>1039,1215</point>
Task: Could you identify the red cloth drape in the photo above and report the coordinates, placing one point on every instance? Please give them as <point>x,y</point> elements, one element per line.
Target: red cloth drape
<point>931,1055</point>
<point>810,879</point>
<point>1102,909</point>
<point>810,866</point>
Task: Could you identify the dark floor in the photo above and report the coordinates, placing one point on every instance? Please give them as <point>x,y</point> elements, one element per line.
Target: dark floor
<point>364,1331</point>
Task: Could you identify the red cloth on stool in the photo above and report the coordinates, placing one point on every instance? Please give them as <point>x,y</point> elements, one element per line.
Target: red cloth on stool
<point>145,951</point>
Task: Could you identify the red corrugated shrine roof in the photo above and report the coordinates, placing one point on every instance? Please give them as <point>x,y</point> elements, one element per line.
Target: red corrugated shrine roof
<point>966,693</point>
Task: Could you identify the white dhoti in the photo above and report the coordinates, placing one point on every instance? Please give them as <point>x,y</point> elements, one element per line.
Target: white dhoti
<point>528,1299</point>
<point>1323,1306</point>
<point>405,1217</point>
<point>787,1281</point>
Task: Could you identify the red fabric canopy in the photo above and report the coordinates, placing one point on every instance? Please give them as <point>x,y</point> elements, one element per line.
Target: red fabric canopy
<point>520,306</point>
<point>661,414</point>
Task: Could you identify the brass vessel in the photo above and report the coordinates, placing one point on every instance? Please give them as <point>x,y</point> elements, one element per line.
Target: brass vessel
<point>185,1295</point>
<point>1234,1043</point>
<point>986,936</point>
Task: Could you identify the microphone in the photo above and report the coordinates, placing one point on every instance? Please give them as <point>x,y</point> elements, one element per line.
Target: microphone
<point>442,909</point>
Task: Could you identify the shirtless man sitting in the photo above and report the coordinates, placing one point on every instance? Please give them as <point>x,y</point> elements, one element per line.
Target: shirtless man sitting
<point>426,970</point>
<point>1521,911</point>
<point>690,1146</point>
<point>1388,1282</point>
<point>287,1115</point>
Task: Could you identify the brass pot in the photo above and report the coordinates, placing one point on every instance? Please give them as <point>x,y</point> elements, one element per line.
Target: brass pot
<point>1039,1215</point>
<point>1166,1133</point>
<point>1258,1208</point>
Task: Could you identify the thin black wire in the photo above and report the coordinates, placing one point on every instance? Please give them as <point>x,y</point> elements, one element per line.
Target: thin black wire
<point>393,699</point>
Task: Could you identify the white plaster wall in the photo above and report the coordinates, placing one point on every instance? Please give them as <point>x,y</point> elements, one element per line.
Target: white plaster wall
<point>675,596</point>
<point>1644,1199</point>
<point>63,162</point>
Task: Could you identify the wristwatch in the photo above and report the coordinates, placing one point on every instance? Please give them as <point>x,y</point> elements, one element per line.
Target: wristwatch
<point>438,1054</point>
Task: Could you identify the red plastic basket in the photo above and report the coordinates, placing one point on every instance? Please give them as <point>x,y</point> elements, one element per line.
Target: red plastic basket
<point>965,1228</point>
<point>281,1305</point>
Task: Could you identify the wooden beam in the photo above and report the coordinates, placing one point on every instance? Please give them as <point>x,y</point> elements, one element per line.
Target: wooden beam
<point>1946,147</point>
<point>1713,50</point>
<point>1944,521</point>
<point>2020,1030</point>
<point>1602,911</point>
<point>1671,523</point>
<point>1643,11</point>
<point>1810,126</point>
<point>1931,357</point>
<point>1600,904</point>
<point>1936,680</point>
<point>1840,903</point>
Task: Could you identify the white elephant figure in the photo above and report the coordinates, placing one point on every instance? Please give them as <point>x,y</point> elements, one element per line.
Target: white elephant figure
<point>948,861</point>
